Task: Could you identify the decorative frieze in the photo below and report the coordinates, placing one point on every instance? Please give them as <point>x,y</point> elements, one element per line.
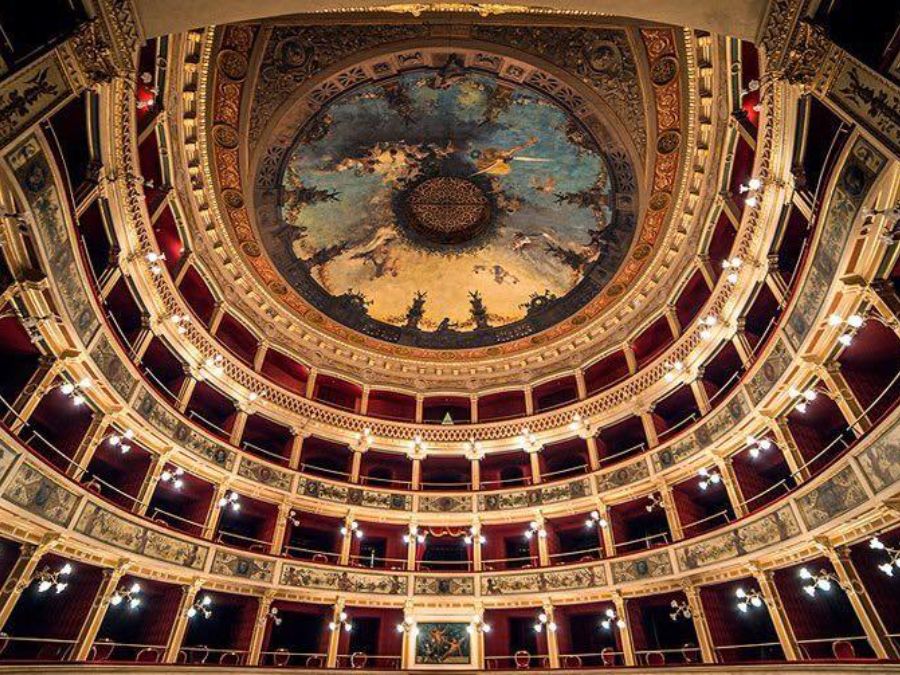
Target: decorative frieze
<point>839,494</point>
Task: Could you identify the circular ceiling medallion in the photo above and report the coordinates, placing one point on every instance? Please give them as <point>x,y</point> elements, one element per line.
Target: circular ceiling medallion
<point>447,209</point>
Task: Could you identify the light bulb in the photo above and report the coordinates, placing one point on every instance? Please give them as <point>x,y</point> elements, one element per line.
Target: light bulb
<point>835,320</point>
<point>751,201</point>
<point>68,388</point>
<point>61,586</point>
<point>742,606</point>
<point>805,573</point>
<point>855,320</point>
<point>824,584</point>
<point>846,339</point>
<point>740,593</point>
<point>178,483</point>
<point>134,603</point>
<point>207,601</point>
<point>810,590</point>
<point>756,601</point>
<point>605,624</point>
<point>43,586</point>
<point>348,627</point>
<point>66,569</point>
<point>115,600</point>
<point>876,543</point>
<point>486,628</point>
<point>620,623</point>
<point>754,183</point>
<point>135,587</point>
<point>191,613</point>
<point>887,568</point>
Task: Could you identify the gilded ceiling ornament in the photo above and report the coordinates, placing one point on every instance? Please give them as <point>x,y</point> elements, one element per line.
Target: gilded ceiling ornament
<point>482,9</point>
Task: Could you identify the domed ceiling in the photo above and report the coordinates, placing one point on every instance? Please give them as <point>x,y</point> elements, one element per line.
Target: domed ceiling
<point>413,189</point>
<point>447,208</point>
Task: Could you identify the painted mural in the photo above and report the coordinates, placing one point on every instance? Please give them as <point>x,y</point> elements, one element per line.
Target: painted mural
<point>443,644</point>
<point>448,207</point>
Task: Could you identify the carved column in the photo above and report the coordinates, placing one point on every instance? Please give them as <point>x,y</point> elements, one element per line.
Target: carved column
<point>216,319</point>
<point>593,453</point>
<point>649,427</point>
<point>884,299</point>
<point>311,383</point>
<point>237,429</point>
<point>412,548</point>
<point>22,573</point>
<point>630,358</point>
<point>844,397</point>
<point>552,641</point>
<point>34,390</point>
<point>144,337</point>
<point>542,546</point>
<point>624,635</point>
<point>148,487</point>
<point>416,478</point>
<point>701,626</point>
<point>674,520</point>
<point>364,400</point>
<point>580,385</point>
<point>672,319</point>
<point>347,541</point>
<point>215,511</point>
<point>186,390</point>
<point>173,644</point>
<point>476,474</point>
<point>741,344</point>
<point>706,270</point>
<point>775,281</point>
<point>784,439</point>
<point>473,408</point>
<point>477,553</point>
<point>766,582</point>
<point>735,496</point>
<point>96,614</point>
<point>529,400</point>
<point>700,394</point>
<point>420,402</point>
<point>260,356</point>
<point>534,460</point>
<point>334,640</point>
<point>85,450</point>
<point>259,628</point>
<point>606,535</point>
<point>874,627</point>
<point>356,462</point>
<point>284,510</point>
<point>297,436</point>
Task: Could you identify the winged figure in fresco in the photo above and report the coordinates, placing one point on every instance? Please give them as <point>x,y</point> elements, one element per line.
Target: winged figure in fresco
<point>496,162</point>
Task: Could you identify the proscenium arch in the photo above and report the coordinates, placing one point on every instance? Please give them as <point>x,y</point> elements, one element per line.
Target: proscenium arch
<point>741,19</point>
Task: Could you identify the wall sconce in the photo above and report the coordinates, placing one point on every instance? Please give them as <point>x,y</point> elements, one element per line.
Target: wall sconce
<point>76,390</point>
<point>232,499</point>
<point>181,322</point>
<point>256,395</point>
<point>752,189</point>
<point>732,269</point>
<point>746,599</point>
<point>543,621</point>
<point>708,322</point>
<point>679,610</point>
<point>474,535</point>
<point>758,446</point>
<point>130,594</point>
<point>47,579</point>
<point>822,580</point>
<point>673,369</point>
<point>478,625</point>
<point>353,529</point>
<point>342,622</point>
<point>122,440</point>
<point>417,449</point>
<point>155,260</point>
<point>656,502</point>
<point>273,616</point>
<point>408,626</point>
<point>173,476</point>
<point>854,321</point>
<point>529,441</point>
<point>473,449</point>
<point>612,619</point>
<point>805,397</point>
<point>536,528</point>
<point>413,535</point>
<point>294,518</point>
<point>888,567</point>
<point>214,365</point>
<point>709,478</point>
<point>200,607</point>
<point>595,519</point>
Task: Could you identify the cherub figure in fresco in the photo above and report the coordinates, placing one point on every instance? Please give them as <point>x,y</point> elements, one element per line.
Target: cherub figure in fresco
<point>496,161</point>
<point>450,73</point>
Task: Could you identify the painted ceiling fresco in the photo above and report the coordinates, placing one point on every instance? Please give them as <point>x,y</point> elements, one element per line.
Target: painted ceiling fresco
<point>447,208</point>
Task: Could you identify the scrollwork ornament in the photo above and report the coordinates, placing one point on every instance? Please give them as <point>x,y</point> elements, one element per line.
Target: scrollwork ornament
<point>93,53</point>
<point>805,56</point>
